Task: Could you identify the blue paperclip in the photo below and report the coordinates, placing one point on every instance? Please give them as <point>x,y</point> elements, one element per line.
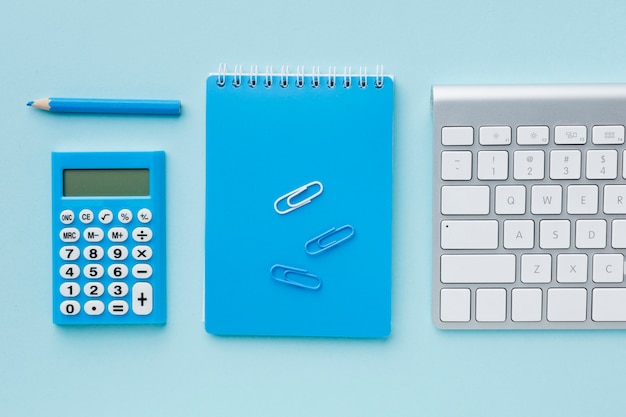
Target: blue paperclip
<point>288,198</point>
<point>295,276</point>
<point>329,239</point>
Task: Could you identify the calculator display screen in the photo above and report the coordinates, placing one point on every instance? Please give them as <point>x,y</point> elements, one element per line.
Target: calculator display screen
<point>106,182</point>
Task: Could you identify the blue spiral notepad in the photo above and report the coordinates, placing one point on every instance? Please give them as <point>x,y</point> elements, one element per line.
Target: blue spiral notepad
<point>298,204</point>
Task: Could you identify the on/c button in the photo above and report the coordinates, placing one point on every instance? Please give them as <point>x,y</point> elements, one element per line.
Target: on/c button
<point>142,298</point>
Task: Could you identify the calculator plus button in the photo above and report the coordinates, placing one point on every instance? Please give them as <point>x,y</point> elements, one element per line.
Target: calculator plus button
<point>142,253</point>
<point>93,289</point>
<point>69,234</point>
<point>142,298</point>
<point>117,289</point>
<point>94,307</point>
<point>105,216</point>
<point>118,234</point>
<point>70,308</point>
<point>67,217</point>
<point>86,216</point>
<point>144,215</point>
<point>69,253</point>
<point>118,307</point>
<point>117,253</point>
<point>142,271</point>
<point>93,271</point>
<point>142,234</point>
<point>93,234</point>
<point>69,271</point>
<point>125,216</point>
<point>69,289</point>
<point>118,271</point>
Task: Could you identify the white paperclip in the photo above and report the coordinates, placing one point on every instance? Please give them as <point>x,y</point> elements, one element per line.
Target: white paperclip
<point>288,198</point>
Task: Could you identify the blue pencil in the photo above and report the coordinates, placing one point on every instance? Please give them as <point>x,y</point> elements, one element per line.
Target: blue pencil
<point>105,105</point>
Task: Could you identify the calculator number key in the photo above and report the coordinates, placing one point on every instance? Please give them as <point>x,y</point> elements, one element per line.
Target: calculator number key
<point>117,289</point>
<point>69,271</point>
<point>93,289</point>
<point>118,271</point>
<point>118,253</point>
<point>142,253</point>
<point>69,289</point>
<point>94,253</point>
<point>69,253</point>
<point>93,271</point>
<point>70,307</point>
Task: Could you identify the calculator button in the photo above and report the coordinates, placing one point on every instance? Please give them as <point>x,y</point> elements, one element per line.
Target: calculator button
<point>67,217</point>
<point>69,234</point>
<point>144,215</point>
<point>69,253</point>
<point>93,289</point>
<point>118,307</point>
<point>70,308</point>
<point>93,234</point>
<point>94,307</point>
<point>117,289</point>
<point>93,271</point>
<point>118,271</point>
<point>105,216</point>
<point>142,271</point>
<point>142,298</point>
<point>93,253</point>
<point>69,271</point>
<point>118,234</point>
<point>86,216</point>
<point>69,289</point>
<point>142,234</point>
<point>118,253</point>
<point>125,216</point>
<point>142,253</point>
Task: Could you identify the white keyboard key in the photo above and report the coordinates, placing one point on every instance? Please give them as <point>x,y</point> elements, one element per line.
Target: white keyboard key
<point>456,165</point>
<point>519,234</point>
<point>565,164</point>
<point>533,135</point>
<point>510,199</point>
<point>528,165</point>
<point>457,135</point>
<point>582,199</point>
<point>493,165</point>
<point>454,304</point>
<point>608,304</point>
<point>465,199</point>
<point>571,267</point>
<point>469,234</point>
<point>567,304</point>
<point>482,269</point>
<point>624,164</point>
<point>490,304</point>
<point>554,234</point>
<point>618,234</point>
<point>526,304</point>
<point>546,199</point>
<point>608,267</point>
<point>607,135</point>
<point>536,268</point>
<point>591,234</point>
<point>602,164</point>
<point>494,135</point>
<point>615,199</point>
<point>570,135</point>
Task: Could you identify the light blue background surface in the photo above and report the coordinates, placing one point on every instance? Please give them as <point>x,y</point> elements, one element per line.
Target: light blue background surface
<point>137,49</point>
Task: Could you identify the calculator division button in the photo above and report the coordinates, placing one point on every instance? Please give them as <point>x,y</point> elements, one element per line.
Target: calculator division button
<point>117,289</point>
<point>118,307</point>
<point>142,271</point>
<point>567,304</point>
<point>490,304</point>
<point>86,216</point>
<point>118,271</point>
<point>465,199</point>
<point>533,135</point>
<point>69,289</point>
<point>93,253</point>
<point>494,135</point>
<point>69,253</point>
<point>67,217</point>
<point>570,135</point>
<point>457,135</point>
<point>142,298</point>
<point>69,234</point>
<point>142,234</point>
<point>607,135</point>
<point>93,289</point>
<point>117,234</point>
<point>456,166</point>
<point>454,304</point>
<point>469,234</point>
<point>69,271</point>
<point>105,216</point>
<point>608,304</point>
<point>142,253</point>
<point>526,304</point>
<point>94,307</point>
<point>93,234</point>
<point>117,253</point>
<point>70,307</point>
<point>93,271</point>
<point>125,216</point>
<point>144,215</point>
<point>482,269</point>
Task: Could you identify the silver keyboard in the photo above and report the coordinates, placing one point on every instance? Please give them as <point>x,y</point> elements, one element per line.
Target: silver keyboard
<point>529,219</point>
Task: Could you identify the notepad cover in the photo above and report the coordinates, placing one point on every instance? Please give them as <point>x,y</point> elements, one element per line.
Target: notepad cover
<point>263,142</point>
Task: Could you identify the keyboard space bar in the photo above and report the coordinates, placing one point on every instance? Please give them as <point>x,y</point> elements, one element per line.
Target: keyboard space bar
<point>467,269</point>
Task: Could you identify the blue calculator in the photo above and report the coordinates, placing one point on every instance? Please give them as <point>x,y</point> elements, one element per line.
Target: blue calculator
<point>108,237</point>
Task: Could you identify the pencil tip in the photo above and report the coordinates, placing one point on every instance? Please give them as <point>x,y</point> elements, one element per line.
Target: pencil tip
<point>30,103</point>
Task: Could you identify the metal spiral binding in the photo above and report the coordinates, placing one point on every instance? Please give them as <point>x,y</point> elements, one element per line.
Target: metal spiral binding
<point>299,77</point>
